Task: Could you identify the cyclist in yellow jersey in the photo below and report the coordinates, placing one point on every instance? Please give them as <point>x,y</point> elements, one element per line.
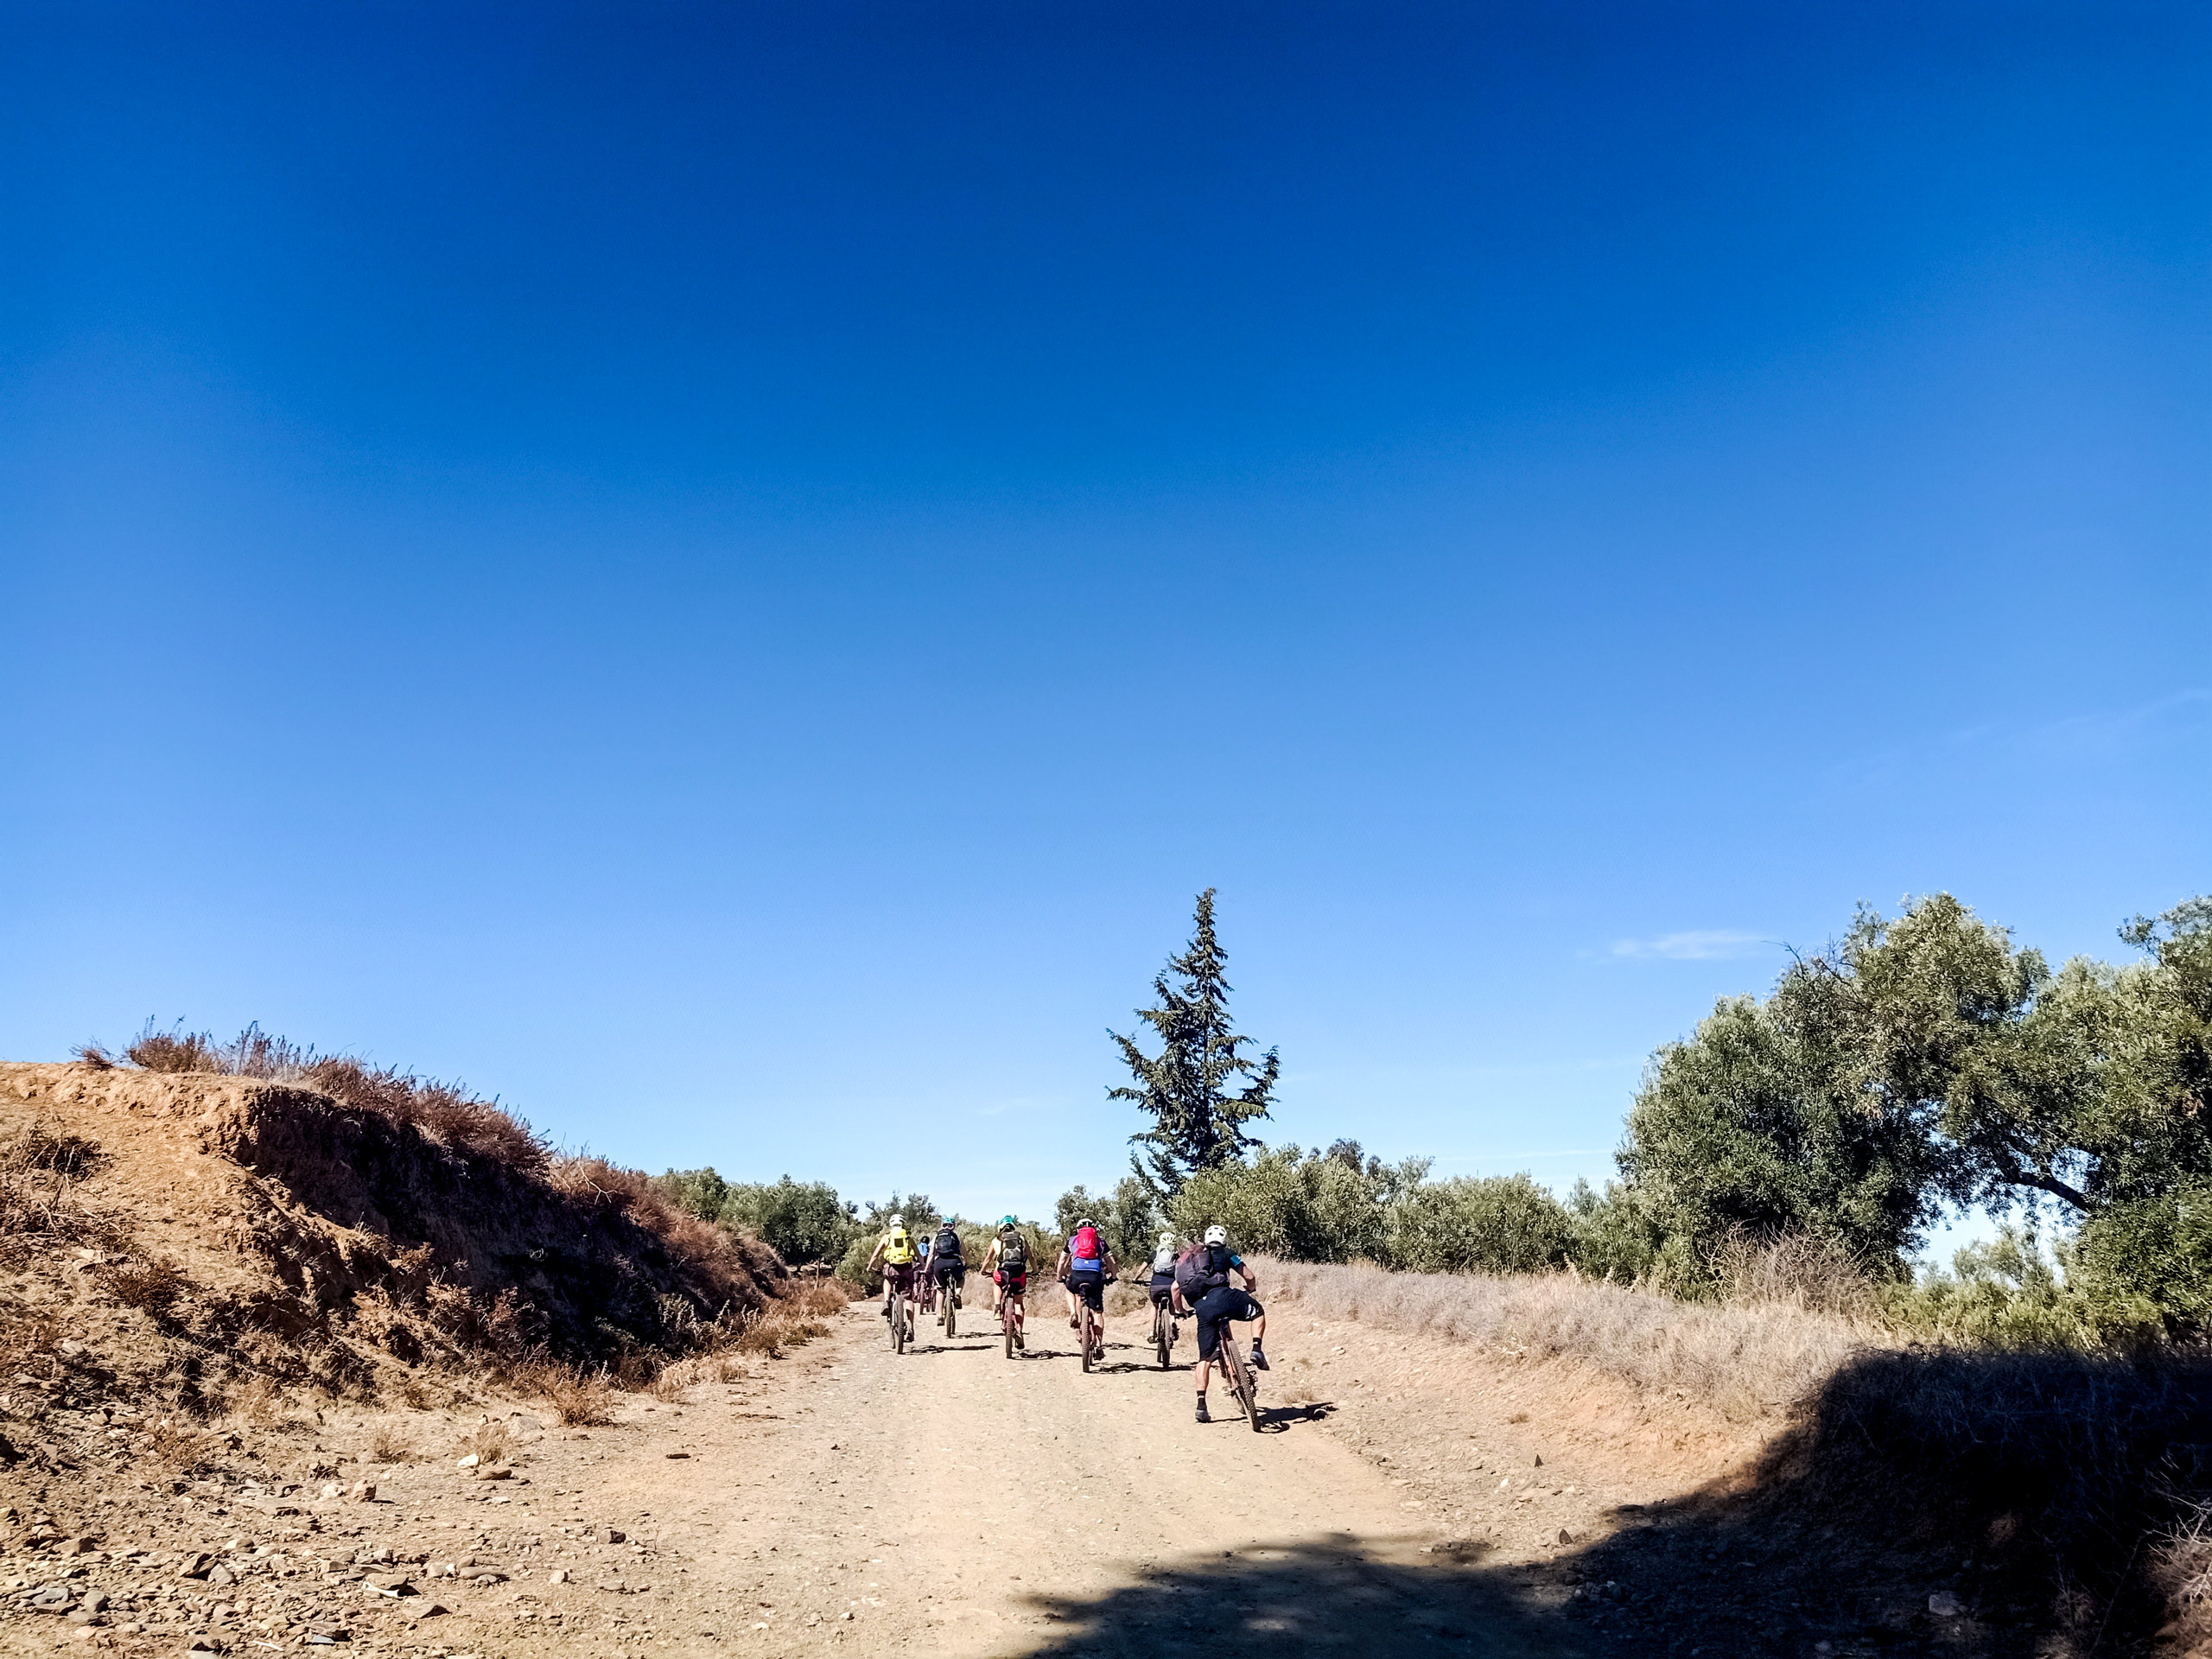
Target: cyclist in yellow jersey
<point>896,1255</point>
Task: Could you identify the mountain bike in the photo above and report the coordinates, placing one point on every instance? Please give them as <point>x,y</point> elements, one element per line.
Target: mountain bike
<point>1164,1330</point>
<point>1092,1326</point>
<point>902,1320</point>
<point>1236,1371</point>
<point>1010,1320</point>
<point>948,1298</point>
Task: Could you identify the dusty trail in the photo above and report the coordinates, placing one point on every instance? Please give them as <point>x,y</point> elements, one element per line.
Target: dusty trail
<point>953,1502</point>
<point>948,1501</point>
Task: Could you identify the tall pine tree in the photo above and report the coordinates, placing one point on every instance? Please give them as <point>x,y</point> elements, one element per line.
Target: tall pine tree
<point>1196,1122</point>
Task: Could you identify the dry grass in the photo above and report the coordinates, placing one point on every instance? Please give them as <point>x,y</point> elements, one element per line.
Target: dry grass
<point>490,1442</point>
<point>579,1398</point>
<point>388,1447</point>
<point>151,1287</point>
<point>41,1173</point>
<point>2181,1569</point>
<point>1751,1359</point>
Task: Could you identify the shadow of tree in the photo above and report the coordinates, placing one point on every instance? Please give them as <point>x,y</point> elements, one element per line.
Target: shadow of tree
<point>2004,1505</point>
<point>1315,1595</point>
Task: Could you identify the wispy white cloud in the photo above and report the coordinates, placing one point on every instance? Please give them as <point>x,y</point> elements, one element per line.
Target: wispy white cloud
<point>1700,944</point>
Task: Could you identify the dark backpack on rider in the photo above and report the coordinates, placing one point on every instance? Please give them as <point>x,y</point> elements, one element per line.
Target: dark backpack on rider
<point>947,1247</point>
<point>1014,1254</point>
<point>1201,1270</point>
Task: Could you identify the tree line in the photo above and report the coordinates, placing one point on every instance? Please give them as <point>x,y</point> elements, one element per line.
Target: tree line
<point>1921,1062</point>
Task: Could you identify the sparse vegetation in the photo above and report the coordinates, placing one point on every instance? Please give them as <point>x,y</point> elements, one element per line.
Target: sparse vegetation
<point>1748,1358</point>
<point>579,1398</point>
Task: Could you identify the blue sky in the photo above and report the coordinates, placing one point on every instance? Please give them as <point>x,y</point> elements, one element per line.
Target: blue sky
<point>727,573</point>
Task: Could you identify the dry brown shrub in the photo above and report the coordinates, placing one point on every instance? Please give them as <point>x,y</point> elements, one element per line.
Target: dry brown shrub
<point>579,1398</point>
<point>490,1442</point>
<point>708,1251</point>
<point>671,1383</point>
<point>174,1050</point>
<point>258,1400</point>
<point>389,1447</point>
<point>2181,1569</point>
<point>1794,1270</point>
<point>151,1287</point>
<point>413,1395</point>
<point>823,1298</point>
<point>447,1112</point>
<point>178,1448</point>
<point>1750,1360</point>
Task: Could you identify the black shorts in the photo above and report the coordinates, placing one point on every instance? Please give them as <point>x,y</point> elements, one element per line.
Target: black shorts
<point>1217,1306</point>
<point>1091,1287</point>
<point>900,1274</point>
<point>947,1267</point>
<point>1163,1286</point>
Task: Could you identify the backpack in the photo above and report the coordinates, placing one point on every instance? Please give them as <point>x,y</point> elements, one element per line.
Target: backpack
<point>1198,1272</point>
<point>1014,1252</point>
<point>1163,1259</point>
<point>1084,1247</point>
<point>948,1243</point>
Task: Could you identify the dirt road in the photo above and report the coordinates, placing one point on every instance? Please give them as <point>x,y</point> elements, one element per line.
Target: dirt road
<point>948,1501</point>
<point>952,1502</point>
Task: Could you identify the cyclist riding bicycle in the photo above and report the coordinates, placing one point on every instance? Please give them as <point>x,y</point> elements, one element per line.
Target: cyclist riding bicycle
<point>1082,1268</point>
<point>946,1265</point>
<point>1202,1284</point>
<point>1007,1264</point>
<point>1163,1268</point>
<point>895,1254</point>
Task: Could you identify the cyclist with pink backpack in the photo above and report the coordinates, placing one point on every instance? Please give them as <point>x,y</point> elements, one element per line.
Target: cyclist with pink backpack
<point>1084,1264</point>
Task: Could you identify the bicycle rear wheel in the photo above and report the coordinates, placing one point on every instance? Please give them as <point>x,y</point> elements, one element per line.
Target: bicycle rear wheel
<point>1084,1334</point>
<point>1240,1379</point>
<point>1160,1337</point>
<point>951,1321</point>
<point>899,1317</point>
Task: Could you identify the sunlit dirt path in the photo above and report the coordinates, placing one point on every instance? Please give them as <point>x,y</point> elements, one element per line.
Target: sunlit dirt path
<point>951,1501</point>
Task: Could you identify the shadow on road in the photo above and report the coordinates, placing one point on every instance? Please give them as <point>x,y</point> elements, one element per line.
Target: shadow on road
<point>1314,1595</point>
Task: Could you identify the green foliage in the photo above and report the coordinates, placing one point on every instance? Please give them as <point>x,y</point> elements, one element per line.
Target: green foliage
<point>1764,1124</point>
<point>801,1221</point>
<point>1127,1217</point>
<point>921,1215</point>
<point>1927,1060</point>
<point>2146,1259</point>
<point>1613,1234</point>
<point>1500,1223</point>
<point>1197,1123</point>
<point>698,1192</point>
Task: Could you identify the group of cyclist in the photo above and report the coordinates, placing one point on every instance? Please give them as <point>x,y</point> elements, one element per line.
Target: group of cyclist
<point>1192,1279</point>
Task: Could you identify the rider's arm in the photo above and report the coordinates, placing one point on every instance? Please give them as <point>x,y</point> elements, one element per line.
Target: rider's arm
<point>1111,1266</point>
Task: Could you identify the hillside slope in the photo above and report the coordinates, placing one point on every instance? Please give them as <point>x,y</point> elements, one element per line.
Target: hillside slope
<point>194,1230</point>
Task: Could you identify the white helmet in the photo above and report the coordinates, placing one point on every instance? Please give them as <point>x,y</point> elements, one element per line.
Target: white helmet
<point>897,1222</point>
<point>1167,1236</point>
<point>1085,1221</point>
<point>1216,1233</point>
